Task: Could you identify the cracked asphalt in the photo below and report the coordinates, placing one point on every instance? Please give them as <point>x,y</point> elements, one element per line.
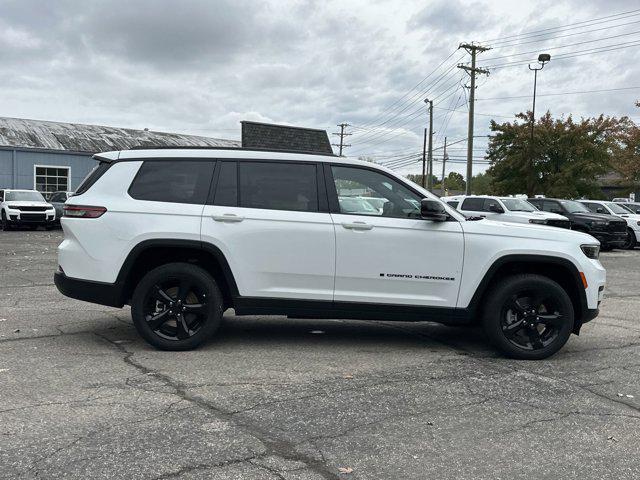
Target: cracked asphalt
<point>81,396</point>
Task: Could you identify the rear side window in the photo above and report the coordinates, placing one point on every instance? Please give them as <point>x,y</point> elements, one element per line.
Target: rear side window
<point>474,204</point>
<point>92,177</point>
<point>278,186</point>
<point>174,181</point>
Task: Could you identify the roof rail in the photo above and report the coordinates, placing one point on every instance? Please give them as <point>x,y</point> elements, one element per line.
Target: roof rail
<point>249,149</point>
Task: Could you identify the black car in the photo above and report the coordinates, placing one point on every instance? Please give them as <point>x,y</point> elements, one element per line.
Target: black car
<point>610,230</point>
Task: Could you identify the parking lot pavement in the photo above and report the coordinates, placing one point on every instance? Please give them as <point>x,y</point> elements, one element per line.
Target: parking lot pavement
<point>81,396</point>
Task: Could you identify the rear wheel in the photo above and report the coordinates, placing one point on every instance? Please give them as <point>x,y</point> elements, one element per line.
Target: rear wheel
<point>630,241</point>
<point>177,306</point>
<point>528,317</point>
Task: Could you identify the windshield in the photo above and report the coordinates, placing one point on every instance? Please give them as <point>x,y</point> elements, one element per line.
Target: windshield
<point>518,205</point>
<point>18,196</point>
<point>628,208</point>
<point>574,207</point>
<point>616,208</point>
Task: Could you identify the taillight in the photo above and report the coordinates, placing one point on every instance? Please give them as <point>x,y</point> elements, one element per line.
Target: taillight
<point>83,211</point>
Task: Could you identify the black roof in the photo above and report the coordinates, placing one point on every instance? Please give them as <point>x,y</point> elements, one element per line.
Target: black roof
<point>268,136</point>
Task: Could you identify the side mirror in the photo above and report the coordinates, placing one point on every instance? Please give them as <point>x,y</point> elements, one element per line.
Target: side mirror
<point>432,210</point>
<point>495,208</point>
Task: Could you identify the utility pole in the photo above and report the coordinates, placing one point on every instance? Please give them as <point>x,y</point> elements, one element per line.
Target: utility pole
<point>424,158</point>
<point>472,70</point>
<point>543,58</point>
<point>444,163</point>
<point>342,134</point>
<point>430,174</point>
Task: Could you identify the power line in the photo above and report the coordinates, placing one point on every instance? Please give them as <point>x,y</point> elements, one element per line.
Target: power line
<point>561,93</point>
<point>569,26</point>
<point>566,46</point>
<point>342,134</point>
<point>579,53</point>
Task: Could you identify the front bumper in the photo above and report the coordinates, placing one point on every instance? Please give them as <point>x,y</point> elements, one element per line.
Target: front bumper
<point>18,217</point>
<point>609,239</point>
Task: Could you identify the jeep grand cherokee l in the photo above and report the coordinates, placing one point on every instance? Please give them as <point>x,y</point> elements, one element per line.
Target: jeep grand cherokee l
<point>181,235</point>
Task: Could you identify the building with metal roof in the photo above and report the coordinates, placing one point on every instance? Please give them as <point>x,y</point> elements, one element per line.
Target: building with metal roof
<point>51,156</point>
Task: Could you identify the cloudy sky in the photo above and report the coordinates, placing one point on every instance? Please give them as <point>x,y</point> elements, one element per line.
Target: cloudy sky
<point>201,66</point>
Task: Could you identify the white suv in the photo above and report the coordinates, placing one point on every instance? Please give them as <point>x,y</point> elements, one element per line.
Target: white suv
<point>611,208</point>
<point>25,208</point>
<point>184,234</point>
<point>509,209</point>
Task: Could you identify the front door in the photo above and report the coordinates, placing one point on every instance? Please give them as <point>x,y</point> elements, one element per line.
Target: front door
<point>388,254</point>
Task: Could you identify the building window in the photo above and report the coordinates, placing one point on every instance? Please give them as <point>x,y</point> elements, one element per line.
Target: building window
<point>51,179</point>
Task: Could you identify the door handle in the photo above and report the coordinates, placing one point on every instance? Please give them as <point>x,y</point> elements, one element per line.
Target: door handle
<point>228,217</point>
<point>357,226</point>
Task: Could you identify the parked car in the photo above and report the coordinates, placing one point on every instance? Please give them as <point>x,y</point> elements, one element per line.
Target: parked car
<point>632,207</point>
<point>57,199</point>
<point>610,230</point>
<point>357,205</point>
<point>25,207</point>
<point>265,233</point>
<point>611,208</point>
<point>510,209</point>
<point>375,202</point>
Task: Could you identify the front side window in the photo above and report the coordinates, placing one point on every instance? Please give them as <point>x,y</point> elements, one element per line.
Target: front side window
<point>278,186</point>
<point>174,181</point>
<point>51,179</point>
<point>355,185</point>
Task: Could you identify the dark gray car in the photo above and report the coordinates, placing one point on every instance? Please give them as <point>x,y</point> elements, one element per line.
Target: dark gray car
<point>57,199</point>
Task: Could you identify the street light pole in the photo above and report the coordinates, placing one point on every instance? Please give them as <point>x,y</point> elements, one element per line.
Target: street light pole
<point>543,58</point>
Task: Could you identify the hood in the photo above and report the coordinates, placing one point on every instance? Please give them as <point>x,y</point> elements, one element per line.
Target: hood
<point>597,216</point>
<point>526,230</point>
<point>539,214</point>
<point>15,203</point>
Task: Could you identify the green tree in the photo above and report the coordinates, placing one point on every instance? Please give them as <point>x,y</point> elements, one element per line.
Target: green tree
<point>481,184</point>
<point>417,178</point>
<point>563,160</point>
<point>454,181</point>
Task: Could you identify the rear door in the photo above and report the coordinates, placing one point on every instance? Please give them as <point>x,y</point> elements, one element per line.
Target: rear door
<point>393,256</point>
<point>270,219</point>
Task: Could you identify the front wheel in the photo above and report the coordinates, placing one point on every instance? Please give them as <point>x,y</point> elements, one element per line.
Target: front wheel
<point>630,241</point>
<point>177,306</point>
<point>528,317</point>
<point>4,221</point>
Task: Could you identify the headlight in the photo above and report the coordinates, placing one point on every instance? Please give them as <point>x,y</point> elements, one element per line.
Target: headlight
<point>538,222</point>
<point>591,251</point>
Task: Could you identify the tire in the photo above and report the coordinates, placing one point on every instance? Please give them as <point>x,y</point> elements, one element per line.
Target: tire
<point>630,242</point>
<point>5,223</point>
<point>177,306</point>
<point>521,305</point>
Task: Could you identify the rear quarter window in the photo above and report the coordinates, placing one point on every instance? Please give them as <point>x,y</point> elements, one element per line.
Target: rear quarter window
<point>92,177</point>
<point>179,181</point>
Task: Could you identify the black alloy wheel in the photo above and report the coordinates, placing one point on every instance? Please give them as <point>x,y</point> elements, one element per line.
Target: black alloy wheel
<point>630,240</point>
<point>177,306</point>
<point>528,316</point>
<point>531,320</point>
